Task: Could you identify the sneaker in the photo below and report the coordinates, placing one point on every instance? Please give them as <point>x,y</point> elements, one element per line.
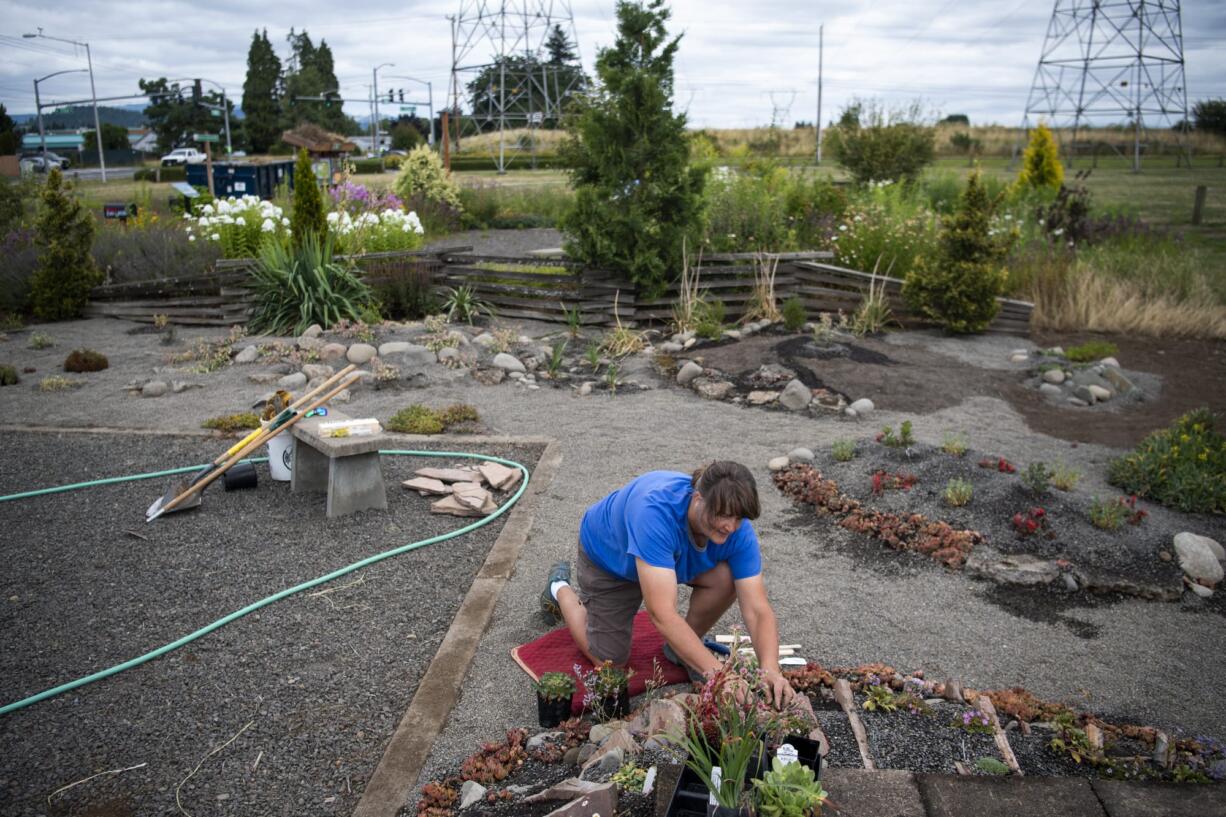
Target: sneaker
<point>549,605</point>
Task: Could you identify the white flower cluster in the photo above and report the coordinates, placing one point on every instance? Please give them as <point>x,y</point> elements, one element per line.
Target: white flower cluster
<point>240,212</point>
<point>343,224</point>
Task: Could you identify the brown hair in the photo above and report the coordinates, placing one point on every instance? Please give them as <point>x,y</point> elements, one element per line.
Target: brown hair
<point>728,489</point>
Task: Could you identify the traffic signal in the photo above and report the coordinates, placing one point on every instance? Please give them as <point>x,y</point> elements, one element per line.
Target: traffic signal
<point>401,92</point>
<point>391,97</point>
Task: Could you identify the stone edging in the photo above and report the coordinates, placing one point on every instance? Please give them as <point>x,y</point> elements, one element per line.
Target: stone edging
<point>439,689</point>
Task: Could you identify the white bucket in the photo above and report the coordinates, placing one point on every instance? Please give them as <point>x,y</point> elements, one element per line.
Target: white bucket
<point>281,456</point>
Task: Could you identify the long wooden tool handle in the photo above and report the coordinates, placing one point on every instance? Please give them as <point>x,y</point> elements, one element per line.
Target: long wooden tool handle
<point>251,446</point>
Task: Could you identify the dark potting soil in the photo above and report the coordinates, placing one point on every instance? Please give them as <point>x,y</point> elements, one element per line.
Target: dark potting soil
<point>315,683</point>
<point>924,743</point>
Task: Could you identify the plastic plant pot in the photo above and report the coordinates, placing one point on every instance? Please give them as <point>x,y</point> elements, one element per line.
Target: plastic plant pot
<point>613,707</point>
<point>552,711</point>
<point>807,752</point>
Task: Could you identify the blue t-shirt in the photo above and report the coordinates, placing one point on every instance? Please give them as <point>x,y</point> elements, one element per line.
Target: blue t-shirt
<point>646,518</point>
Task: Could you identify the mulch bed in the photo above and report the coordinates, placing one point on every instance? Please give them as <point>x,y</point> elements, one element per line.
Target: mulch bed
<point>321,679</point>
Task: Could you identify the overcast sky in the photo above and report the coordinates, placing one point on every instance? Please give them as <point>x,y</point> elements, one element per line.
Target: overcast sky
<point>739,61</point>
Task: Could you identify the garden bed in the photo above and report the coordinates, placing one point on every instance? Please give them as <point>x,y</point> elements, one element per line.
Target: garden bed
<point>315,683</point>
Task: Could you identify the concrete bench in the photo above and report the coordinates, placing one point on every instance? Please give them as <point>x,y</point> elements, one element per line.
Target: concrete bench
<point>347,468</point>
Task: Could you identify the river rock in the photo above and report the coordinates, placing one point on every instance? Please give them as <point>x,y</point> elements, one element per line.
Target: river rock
<point>585,389</point>
<point>293,381</point>
<point>761,398</point>
<point>1053,390</point>
<point>862,406</point>
<point>712,389</point>
<point>508,363</point>
<point>317,370</point>
<point>1019,358</point>
<point>771,374</point>
<point>668,347</point>
<point>360,353</point>
<point>313,331</point>
<point>485,340</point>
<point>448,355</point>
<point>471,792</point>
<point>798,455</point>
<point>687,373</point>
<point>795,396</point>
<point>1117,380</point>
<point>393,347</point>
<point>154,388</point>
<point>778,463</point>
<point>1197,558</point>
<point>263,378</point>
<point>249,354</point>
<point>408,356</point>
<point>1016,568</point>
<point>1110,361</point>
<point>1084,394</point>
<point>332,351</point>
<point>1055,376</point>
<point>309,344</point>
<point>1100,394</point>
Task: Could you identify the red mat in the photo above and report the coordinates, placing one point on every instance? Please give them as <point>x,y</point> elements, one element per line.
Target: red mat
<point>556,652</point>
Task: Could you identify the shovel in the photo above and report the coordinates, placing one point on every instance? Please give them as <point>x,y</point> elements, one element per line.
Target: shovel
<point>180,490</point>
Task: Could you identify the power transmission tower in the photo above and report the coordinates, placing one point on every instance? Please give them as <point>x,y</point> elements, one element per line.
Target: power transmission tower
<point>1107,59</point>
<point>522,87</point>
<point>781,110</point>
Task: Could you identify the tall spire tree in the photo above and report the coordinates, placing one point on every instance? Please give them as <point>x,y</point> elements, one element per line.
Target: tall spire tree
<point>261,99</point>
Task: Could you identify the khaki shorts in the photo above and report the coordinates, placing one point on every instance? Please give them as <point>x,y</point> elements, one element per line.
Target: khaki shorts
<point>611,603</point>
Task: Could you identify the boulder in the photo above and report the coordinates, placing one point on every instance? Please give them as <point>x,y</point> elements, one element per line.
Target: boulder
<point>1117,380</point>
<point>778,463</point>
<point>567,790</point>
<point>471,792</point>
<point>293,381</point>
<point>1016,568</point>
<point>600,801</point>
<point>1083,394</point>
<point>154,388</point>
<point>248,354</point>
<point>771,374</point>
<point>665,717</point>
<point>1055,376</point>
<point>309,344</point>
<point>332,351</point>
<point>668,347</point>
<point>687,373</point>
<point>360,353</point>
<point>798,455</point>
<point>317,370</point>
<point>313,331</point>
<point>508,363</point>
<point>1197,558</point>
<point>408,357</point>
<point>1100,393</point>
<point>1053,390</point>
<point>795,396</point>
<point>449,355</point>
<point>862,406</point>
<point>485,340</point>
<point>712,389</point>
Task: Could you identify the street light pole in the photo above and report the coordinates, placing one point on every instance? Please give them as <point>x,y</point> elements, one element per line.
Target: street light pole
<point>92,93</point>
<point>38,106</point>
<point>375,88</point>
<point>225,106</point>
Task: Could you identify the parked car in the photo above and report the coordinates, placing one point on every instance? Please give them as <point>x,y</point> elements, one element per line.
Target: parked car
<point>35,161</point>
<point>182,156</point>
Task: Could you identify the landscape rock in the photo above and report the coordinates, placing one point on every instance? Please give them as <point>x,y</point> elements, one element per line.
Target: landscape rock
<point>689,343</point>
<point>771,374</point>
<point>1015,568</point>
<point>1084,394</point>
<point>313,331</point>
<point>293,381</point>
<point>488,377</point>
<point>568,789</point>
<point>850,413</point>
<point>309,344</point>
<point>508,363</point>
<point>1048,388</point>
<point>332,351</point>
<point>539,740</point>
<point>471,792</point>
<point>665,717</point>
<point>409,357</point>
<point>263,378</point>
<point>604,761</point>
<point>1019,358</point>
<point>798,455</point>
<point>1100,393</point>
<point>448,354</point>
<point>795,396</point>
<point>154,388</point>
<point>761,398</point>
<point>393,347</point>
<point>1110,361</point>
<point>668,347</point>
<point>712,389</point>
<point>862,406</point>
<point>732,334</point>
<point>778,463</point>
<point>428,487</point>
<point>1197,558</point>
<point>1117,380</point>
<point>1055,376</point>
<point>585,389</point>
<point>1200,590</point>
<point>249,354</point>
<point>600,801</point>
<point>485,340</point>
<point>360,353</point>
<point>317,370</point>
<point>178,386</point>
<point>687,373</point>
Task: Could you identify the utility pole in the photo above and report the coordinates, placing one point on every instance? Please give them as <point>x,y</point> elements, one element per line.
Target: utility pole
<point>38,106</point>
<point>375,88</point>
<point>92,93</point>
<point>818,123</point>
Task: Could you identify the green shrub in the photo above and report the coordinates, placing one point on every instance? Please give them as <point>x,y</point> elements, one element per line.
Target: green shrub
<point>1065,478</point>
<point>886,226</point>
<point>958,492</point>
<point>843,450</point>
<point>422,174</point>
<point>416,419</point>
<point>637,196</point>
<point>709,319</point>
<point>85,360</point>
<point>1091,351</point>
<point>1183,466</point>
<point>1037,478</point>
<point>954,445</point>
<point>958,288</point>
<point>1041,162</point>
<point>41,340</point>
<point>56,383</point>
<point>1107,514</point>
<point>8,376</point>
<point>876,144</point>
<point>793,314</point>
<point>66,272</point>
<point>458,413</point>
<point>902,440</point>
<point>367,166</point>
<point>307,218</point>
<point>243,421</point>
<point>293,289</point>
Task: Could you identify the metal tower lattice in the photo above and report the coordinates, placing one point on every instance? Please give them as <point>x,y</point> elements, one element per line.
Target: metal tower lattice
<point>504,43</point>
<point>1109,61</point>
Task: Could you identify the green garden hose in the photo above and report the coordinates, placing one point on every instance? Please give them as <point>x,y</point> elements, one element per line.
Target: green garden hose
<point>264,602</point>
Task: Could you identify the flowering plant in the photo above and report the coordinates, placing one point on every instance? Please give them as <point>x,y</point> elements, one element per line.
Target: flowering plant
<point>1034,521</point>
<point>384,231</point>
<point>356,199</point>
<point>974,721</point>
<point>1000,464</point>
<point>603,688</point>
<point>241,226</point>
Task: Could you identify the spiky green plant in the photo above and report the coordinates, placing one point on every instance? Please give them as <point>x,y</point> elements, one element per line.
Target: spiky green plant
<point>297,287</point>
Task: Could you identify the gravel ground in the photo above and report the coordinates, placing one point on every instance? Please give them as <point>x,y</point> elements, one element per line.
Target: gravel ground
<point>1146,661</point>
<point>321,679</point>
<point>924,743</point>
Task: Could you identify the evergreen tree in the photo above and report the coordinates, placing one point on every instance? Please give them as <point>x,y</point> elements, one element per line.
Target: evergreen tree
<point>261,102</point>
<point>958,288</point>
<point>9,140</point>
<point>308,216</point>
<point>636,195</point>
<point>331,115</point>
<point>60,286</point>
<point>303,78</point>
<point>1041,162</point>
<point>559,48</point>
<point>173,116</point>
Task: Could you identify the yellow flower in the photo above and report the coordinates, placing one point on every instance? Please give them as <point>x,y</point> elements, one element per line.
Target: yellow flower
<point>1204,455</point>
<point>1183,438</point>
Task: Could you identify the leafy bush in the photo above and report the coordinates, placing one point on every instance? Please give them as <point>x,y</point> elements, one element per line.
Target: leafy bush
<point>16,198</point>
<point>1106,514</point>
<point>637,197</point>
<point>385,231</point>
<point>364,167</point>
<point>162,250</point>
<point>307,217</point>
<point>1041,162</point>
<point>295,288</point>
<point>420,419</point>
<point>1091,351</point>
<point>766,206</point>
<point>66,272</point>
<point>239,226</point>
<point>41,340</point>
<point>793,314</point>
<point>243,421</point>
<point>505,207</point>
<point>8,376</point>
<point>422,174</point>
<point>958,492</point>
<point>1183,466</point>
<point>20,253</point>
<point>958,288</point>
<point>85,360</point>
<point>888,225</point>
<point>876,144</point>
<point>843,450</point>
<point>1036,478</point>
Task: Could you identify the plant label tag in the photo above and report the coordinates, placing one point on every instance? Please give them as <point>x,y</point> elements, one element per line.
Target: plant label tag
<point>717,775</point>
<point>649,781</point>
<point>787,754</point>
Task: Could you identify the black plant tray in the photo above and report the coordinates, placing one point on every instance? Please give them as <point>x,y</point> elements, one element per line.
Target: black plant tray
<point>809,753</point>
<point>689,797</point>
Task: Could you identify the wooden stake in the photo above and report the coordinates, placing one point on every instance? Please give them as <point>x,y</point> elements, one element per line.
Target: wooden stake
<point>1002,740</point>
<point>842,694</point>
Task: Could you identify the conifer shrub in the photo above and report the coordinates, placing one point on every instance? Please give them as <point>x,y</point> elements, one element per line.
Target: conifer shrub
<point>85,360</point>
<point>957,289</point>
<point>793,314</point>
<point>307,217</point>
<point>66,271</point>
<point>1041,166</point>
